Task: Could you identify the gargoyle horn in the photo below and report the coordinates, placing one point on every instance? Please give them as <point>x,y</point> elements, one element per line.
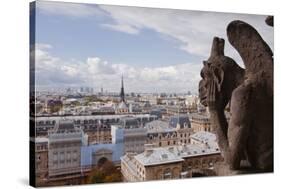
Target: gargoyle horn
<point>217,47</point>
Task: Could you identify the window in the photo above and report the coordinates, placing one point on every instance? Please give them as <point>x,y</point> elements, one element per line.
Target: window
<point>167,173</point>
<point>55,156</point>
<point>61,156</point>
<point>160,144</point>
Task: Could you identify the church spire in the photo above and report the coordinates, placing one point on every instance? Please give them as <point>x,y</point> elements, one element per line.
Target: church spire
<point>122,93</point>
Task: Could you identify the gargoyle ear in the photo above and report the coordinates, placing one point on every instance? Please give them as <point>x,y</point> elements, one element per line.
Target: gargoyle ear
<point>218,75</point>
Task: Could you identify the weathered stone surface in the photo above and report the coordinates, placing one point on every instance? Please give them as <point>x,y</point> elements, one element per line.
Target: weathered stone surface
<point>248,137</point>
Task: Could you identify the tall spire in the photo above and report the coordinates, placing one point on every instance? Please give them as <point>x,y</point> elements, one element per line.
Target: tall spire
<point>122,93</point>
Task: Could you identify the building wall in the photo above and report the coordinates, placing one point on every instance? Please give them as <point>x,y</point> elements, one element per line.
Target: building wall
<point>198,124</point>
<point>129,173</point>
<point>45,124</point>
<point>98,137</point>
<point>201,162</point>
<point>134,140</point>
<point>170,138</point>
<point>133,171</point>
<point>41,162</point>
<point>64,157</point>
<point>163,171</point>
<point>175,110</point>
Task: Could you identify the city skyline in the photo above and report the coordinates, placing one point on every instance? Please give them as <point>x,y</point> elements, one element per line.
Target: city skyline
<point>93,45</point>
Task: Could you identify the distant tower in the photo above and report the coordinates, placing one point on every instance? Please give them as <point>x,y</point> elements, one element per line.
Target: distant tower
<point>122,93</point>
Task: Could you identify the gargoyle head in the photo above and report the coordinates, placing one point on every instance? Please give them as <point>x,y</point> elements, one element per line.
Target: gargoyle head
<point>221,70</point>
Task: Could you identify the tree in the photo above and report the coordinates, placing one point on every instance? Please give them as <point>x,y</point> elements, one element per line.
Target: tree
<point>106,172</point>
<point>96,176</point>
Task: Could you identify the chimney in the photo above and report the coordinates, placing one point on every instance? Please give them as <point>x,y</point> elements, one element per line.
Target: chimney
<point>171,149</point>
<point>148,149</point>
<point>130,155</point>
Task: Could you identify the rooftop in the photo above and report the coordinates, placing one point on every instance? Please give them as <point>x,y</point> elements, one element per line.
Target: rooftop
<point>88,117</point>
<point>204,137</point>
<point>163,155</point>
<point>65,126</point>
<point>122,105</point>
<point>158,126</point>
<point>157,156</point>
<point>180,119</point>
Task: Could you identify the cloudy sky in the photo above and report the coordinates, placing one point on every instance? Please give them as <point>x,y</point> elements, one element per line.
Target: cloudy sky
<point>157,50</point>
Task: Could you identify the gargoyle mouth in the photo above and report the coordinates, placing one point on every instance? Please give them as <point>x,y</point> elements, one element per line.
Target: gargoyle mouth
<point>203,101</point>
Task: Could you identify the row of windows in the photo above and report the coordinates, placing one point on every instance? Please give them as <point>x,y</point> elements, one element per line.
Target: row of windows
<point>41,147</point>
<point>169,136</point>
<point>91,121</point>
<point>174,142</point>
<point>63,161</point>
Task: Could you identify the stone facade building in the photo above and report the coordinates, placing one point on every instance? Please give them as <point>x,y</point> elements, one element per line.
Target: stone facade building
<point>41,159</point>
<point>64,155</point>
<point>86,122</point>
<point>200,122</point>
<point>160,133</point>
<point>152,164</point>
<point>133,134</point>
<point>98,133</point>
<point>171,162</point>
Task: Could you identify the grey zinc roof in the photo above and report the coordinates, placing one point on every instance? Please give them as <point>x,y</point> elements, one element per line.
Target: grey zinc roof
<point>158,126</point>
<point>65,126</point>
<point>158,156</point>
<point>193,150</point>
<point>122,105</point>
<point>181,120</point>
<point>162,155</point>
<point>204,137</point>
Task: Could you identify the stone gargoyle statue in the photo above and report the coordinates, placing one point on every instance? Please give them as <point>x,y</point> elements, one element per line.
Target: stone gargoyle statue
<point>246,140</point>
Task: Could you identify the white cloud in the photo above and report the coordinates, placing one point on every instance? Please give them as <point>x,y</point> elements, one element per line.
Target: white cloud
<point>194,30</point>
<point>97,66</point>
<point>68,9</point>
<point>122,28</point>
<point>53,71</point>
